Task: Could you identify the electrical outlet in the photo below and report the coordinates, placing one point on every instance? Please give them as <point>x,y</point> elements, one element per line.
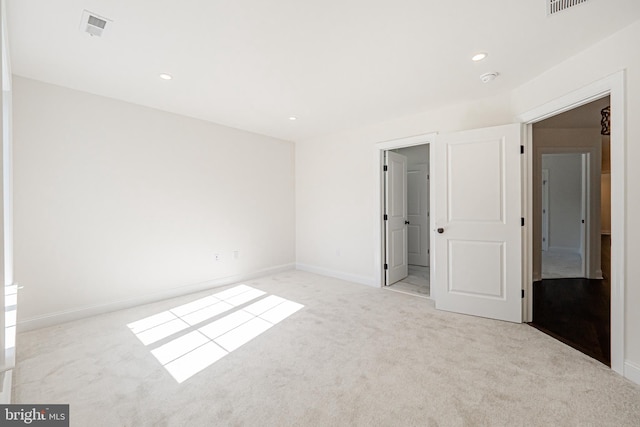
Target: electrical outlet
<point>217,257</point>
<point>236,254</point>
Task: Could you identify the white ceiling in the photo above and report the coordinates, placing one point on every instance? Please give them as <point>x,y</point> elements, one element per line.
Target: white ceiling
<point>335,65</point>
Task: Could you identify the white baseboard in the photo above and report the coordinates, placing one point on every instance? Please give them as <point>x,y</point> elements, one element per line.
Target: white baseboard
<point>93,310</point>
<point>632,372</point>
<point>337,274</point>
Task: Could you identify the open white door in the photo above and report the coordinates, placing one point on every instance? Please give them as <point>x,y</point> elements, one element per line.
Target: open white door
<point>477,184</point>
<point>585,217</point>
<point>545,209</point>
<point>418,214</point>
<point>397,264</point>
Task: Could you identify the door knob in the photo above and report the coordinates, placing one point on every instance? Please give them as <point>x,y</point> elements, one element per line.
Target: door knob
<point>440,230</point>
<point>406,222</point>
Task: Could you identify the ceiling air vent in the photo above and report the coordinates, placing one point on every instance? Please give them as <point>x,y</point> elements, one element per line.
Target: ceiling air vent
<point>555,6</point>
<point>93,24</point>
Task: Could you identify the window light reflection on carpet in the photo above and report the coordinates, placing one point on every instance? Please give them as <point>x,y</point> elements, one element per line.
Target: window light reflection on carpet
<point>198,346</point>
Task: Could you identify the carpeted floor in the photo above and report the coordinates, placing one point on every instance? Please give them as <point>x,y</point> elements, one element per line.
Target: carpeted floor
<point>352,356</point>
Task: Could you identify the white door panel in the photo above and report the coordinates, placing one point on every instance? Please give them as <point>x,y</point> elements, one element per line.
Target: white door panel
<point>415,248</point>
<point>418,214</point>
<point>488,256</point>
<point>396,211</point>
<point>477,200</point>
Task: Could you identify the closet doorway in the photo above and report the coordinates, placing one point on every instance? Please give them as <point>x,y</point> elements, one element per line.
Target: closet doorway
<point>408,236</point>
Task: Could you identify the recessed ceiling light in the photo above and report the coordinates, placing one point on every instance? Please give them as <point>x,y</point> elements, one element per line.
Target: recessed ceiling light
<point>479,56</point>
<point>292,118</point>
<point>165,76</point>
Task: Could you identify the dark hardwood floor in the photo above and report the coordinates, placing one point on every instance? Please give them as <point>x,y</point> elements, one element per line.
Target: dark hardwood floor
<point>576,312</point>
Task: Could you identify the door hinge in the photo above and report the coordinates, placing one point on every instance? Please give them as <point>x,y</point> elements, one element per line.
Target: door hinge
<point>384,168</point>
<point>385,217</point>
<point>522,293</point>
<point>386,266</point>
<point>522,222</point>
<point>522,149</point>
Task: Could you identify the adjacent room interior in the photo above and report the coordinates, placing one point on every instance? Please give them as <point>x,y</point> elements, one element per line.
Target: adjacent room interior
<point>572,290</point>
<point>267,213</point>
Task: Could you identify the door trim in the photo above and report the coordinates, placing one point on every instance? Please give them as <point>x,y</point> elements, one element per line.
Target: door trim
<point>378,211</point>
<point>614,86</point>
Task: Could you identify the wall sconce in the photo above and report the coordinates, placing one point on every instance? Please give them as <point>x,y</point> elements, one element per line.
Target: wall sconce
<point>606,121</point>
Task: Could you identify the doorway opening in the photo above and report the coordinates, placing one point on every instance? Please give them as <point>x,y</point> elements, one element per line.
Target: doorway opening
<point>572,229</point>
<point>407,220</point>
<point>565,215</point>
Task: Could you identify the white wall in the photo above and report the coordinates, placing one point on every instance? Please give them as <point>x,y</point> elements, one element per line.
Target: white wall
<point>336,184</point>
<point>336,180</point>
<point>565,199</point>
<point>117,204</point>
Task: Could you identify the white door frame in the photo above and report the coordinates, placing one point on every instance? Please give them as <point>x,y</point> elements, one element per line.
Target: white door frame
<point>378,211</point>
<point>614,86</point>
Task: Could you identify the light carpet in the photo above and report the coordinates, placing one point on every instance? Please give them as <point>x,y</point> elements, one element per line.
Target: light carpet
<point>353,356</point>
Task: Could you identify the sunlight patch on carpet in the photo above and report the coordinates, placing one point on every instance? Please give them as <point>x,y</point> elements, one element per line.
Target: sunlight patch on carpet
<point>192,346</point>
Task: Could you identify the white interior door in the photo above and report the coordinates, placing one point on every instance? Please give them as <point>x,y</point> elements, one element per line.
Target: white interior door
<point>545,209</point>
<point>477,184</point>
<point>584,214</point>
<point>397,264</point>
<point>418,214</point>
